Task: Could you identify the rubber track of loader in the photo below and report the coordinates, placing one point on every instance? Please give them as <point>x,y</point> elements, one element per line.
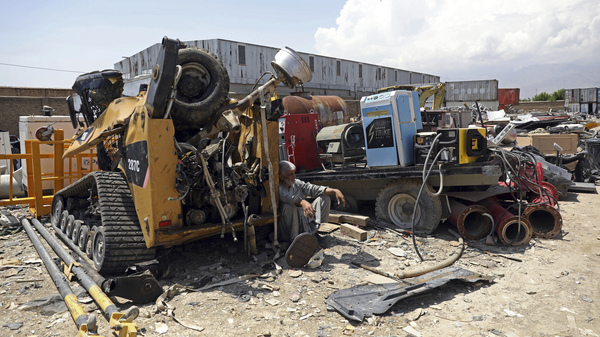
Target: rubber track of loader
<point>125,244</point>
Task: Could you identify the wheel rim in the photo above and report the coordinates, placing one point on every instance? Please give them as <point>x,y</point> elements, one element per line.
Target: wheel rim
<point>70,226</point>
<point>98,248</point>
<point>58,209</point>
<point>400,209</point>
<point>195,81</point>
<point>82,238</point>
<point>75,236</point>
<point>63,221</point>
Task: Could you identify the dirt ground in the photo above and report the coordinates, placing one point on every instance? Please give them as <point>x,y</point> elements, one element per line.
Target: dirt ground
<point>553,291</point>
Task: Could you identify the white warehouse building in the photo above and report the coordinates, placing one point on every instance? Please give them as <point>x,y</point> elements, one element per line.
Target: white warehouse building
<point>246,62</point>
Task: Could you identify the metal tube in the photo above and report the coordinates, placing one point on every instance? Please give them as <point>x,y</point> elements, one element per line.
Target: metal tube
<point>511,229</point>
<point>471,222</point>
<point>546,221</point>
<point>86,281</point>
<point>79,316</point>
<point>98,279</point>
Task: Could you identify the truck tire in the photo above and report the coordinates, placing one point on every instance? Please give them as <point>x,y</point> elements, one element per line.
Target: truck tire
<point>396,201</point>
<point>202,88</point>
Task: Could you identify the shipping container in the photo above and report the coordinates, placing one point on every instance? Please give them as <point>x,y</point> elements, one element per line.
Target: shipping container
<point>568,97</point>
<point>508,97</point>
<point>584,108</point>
<point>576,96</point>
<point>484,90</point>
<point>598,96</point>
<point>490,105</point>
<point>588,95</point>
<point>573,107</point>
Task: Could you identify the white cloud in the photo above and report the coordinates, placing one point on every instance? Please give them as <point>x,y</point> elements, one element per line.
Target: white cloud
<point>458,38</point>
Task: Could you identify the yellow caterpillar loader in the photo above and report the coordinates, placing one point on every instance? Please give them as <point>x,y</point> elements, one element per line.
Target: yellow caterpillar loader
<point>179,162</point>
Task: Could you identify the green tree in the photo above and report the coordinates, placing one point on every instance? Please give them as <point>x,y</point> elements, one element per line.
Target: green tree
<point>558,95</point>
<point>542,96</point>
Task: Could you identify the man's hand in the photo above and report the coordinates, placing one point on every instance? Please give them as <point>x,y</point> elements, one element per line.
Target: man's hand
<point>308,209</point>
<point>338,195</point>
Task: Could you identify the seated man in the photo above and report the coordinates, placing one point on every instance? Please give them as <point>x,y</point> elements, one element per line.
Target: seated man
<point>297,215</point>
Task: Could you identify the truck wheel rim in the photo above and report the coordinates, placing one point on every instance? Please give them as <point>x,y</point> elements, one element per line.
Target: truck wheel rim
<point>195,81</point>
<point>400,209</point>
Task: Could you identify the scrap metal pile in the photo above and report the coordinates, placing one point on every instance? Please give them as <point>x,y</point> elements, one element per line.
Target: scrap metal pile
<point>521,206</point>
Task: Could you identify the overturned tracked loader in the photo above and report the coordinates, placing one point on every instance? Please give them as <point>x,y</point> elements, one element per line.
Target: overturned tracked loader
<point>180,161</point>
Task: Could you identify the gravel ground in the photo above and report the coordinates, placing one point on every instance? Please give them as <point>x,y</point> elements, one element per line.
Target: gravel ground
<point>554,290</point>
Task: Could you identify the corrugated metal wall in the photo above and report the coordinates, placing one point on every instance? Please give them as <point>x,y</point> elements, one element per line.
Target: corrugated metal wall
<point>326,79</point>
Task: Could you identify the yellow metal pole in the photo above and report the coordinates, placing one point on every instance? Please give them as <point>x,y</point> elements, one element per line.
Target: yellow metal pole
<point>10,183</point>
<point>37,177</point>
<point>59,163</point>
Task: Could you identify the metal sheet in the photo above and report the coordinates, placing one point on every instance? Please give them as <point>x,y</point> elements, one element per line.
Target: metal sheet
<point>362,301</point>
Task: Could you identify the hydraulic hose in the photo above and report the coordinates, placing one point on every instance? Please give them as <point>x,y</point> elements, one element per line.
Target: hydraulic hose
<point>450,260</point>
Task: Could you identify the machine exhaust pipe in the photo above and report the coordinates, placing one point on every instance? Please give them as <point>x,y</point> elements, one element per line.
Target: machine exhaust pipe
<point>471,221</point>
<point>546,221</point>
<point>511,229</point>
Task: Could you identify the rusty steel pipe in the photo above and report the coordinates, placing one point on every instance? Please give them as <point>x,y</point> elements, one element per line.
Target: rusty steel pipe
<point>546,221</point>
<point>470,221</point>
<point>511,229</point>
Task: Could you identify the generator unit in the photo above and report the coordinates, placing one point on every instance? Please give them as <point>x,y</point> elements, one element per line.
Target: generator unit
<point>341,144</point>
<point>297,140</point>
<point>390,120</point>
<point>464,145</point>
<point>422,143</point>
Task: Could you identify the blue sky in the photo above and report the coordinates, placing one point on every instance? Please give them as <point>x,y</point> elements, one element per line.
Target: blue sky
<point>540,45</point>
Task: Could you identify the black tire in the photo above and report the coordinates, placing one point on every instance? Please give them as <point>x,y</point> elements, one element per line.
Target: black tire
<point>395,204</point>
<point>83,234</point>
<point>58,206</point>
<point>70,225</point>
<point>76,230</point>
<point>63,221</point>
<point>202,88</point>
<point>99,247</point>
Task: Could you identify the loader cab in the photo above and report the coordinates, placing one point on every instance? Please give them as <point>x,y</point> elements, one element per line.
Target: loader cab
<point>93,93</point>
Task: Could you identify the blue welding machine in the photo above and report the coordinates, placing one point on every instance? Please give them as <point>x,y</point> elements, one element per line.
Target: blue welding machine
<point>390,120</point>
